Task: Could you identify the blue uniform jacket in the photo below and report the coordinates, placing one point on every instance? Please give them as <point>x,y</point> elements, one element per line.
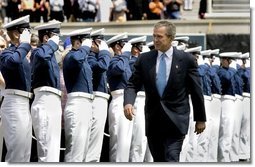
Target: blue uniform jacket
<point>77,71</point>
<point>99,63</point>
<point>205,79</point>
<point>246,76</point>
<point>15,67</point>
<point>215,81</point>
<point>238,82</point>
<point>45,69</point>
<point>119,71</point>
<point>131,64</point>
<point>227,79</point>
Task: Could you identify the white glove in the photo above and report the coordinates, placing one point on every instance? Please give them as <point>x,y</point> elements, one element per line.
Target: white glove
<point>87,42</point>
<point>233,64</point>
<point>103,45</point>
<point>126,48</point>
<point>55,39</point>
<point>239,61</point>
<point>207,61</point>
<point>145,49</point>
<point>248,63</point>
<point>25,37</point>
<point>200,60</point>
<point>216,61</point>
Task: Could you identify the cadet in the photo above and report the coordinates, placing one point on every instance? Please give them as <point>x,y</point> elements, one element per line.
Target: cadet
<point>139,139</point>
<point>99,59</point>
<point>15,109</point>
<point>238,110</point>
<point>118,73</point>
<point>245,73</point>
<point>226,75</point>
<point>189,148</point>
<point>215,104</point>
<point>78,110</point>
<point>46,108</point>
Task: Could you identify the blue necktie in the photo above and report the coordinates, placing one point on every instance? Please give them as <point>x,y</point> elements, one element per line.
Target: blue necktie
<point>161,76</point>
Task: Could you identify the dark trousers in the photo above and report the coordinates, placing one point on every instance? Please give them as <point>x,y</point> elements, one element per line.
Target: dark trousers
<point>165,148</point>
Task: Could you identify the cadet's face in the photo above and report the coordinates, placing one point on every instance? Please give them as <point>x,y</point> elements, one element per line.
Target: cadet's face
<point>2,45</point>
<point>161,40</point>
<point>95,44</point>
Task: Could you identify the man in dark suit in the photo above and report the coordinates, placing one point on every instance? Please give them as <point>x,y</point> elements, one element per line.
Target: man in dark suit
<point>166,111</point>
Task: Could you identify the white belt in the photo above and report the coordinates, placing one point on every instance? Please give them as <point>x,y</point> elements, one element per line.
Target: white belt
<point>81,94</point>
<point>141,93</point>
<point>216,96</point>
<point>245,94</point>
<point>102,94</point>
<point>229,97</point>
<point>239,96</point>
<point>207,97</point>
<point>48,89</point>
<point>117,92</point>
<point>17,92</point>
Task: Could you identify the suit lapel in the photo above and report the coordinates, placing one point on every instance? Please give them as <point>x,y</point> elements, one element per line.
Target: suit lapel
<point>152,71</point>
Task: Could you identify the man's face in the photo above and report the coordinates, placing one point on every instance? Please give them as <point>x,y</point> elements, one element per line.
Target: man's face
<point>161,40</point>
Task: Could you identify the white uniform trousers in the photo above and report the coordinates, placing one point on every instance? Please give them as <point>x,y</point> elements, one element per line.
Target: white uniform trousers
<point>189,147</point>
<point>244,145</point>
<point>120,129</point>
<point>226,127</point>
<point>234,153</point>
<point>77,118</point>
<point>214,118</point>
<point>139,140</point>
<point>46,116</point>
<point>148,157</point>
<point>201,155</point>
<point>17,128</point>
<point>99,114</point>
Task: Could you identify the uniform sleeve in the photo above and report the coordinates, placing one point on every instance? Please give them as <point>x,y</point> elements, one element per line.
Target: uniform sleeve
<point>8,57</point>
<point>100,63</point>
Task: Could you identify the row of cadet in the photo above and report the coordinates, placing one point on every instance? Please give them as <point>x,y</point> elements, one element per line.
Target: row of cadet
<point>94,82</point>
<point>225,79</point>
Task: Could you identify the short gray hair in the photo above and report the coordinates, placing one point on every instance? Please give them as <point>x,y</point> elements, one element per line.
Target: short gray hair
<point>170,28</point>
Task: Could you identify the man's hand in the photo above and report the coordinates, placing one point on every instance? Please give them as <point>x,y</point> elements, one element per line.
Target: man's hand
<point>129,111</point>
<point>199,127</point>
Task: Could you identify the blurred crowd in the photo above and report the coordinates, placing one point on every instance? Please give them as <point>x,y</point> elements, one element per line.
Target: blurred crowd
<point>92,10</point>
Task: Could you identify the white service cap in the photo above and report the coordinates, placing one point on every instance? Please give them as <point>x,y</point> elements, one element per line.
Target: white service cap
<point>184,39</point>
<point>206,53</point>
<point>80,33</point>
<point>98,34</point>
<point>245,55</point>
<point>116,38</point>
<point>22,22</point>
<point>194,50</point>
<point>53,26</point>
<point>138,40</point>
<point>215,51</point>
<point>230,54</point>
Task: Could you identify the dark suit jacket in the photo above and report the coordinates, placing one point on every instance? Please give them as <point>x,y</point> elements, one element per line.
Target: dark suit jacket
<point>169,114</point>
